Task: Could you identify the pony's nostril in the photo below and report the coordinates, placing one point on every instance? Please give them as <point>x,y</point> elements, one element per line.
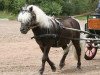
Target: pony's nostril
<point>22,29</point>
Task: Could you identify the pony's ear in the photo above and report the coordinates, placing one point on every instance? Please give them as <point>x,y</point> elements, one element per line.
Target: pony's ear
<point>31,9</point>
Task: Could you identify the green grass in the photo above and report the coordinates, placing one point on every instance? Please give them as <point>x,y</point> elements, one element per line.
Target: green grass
<point>7,15</point>
<point>81,17</point>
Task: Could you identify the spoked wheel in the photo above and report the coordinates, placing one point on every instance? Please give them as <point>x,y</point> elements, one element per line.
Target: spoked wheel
<point>90,51</point>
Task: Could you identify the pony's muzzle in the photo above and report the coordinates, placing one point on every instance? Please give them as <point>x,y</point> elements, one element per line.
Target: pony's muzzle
<point>23,31</point>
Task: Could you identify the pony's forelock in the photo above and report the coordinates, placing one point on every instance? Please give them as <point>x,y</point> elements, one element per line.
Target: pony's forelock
<point>24,17</point>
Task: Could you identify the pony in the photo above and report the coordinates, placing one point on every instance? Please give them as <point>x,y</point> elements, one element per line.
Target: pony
<point>50,32</point>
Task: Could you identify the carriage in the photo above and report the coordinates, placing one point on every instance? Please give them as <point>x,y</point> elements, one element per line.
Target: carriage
<point>92,26</point>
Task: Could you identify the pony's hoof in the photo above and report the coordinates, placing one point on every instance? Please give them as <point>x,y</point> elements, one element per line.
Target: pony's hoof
<point>78,67</point>
<point>53,69</point>
<point>61,65</point>
<point>41,71</point>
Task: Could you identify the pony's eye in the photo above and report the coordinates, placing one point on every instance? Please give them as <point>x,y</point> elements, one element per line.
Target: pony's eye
<point>33,18</point>
<point>34,15</point>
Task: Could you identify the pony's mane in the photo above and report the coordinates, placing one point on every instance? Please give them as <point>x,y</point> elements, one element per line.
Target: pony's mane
<point>41,17</point>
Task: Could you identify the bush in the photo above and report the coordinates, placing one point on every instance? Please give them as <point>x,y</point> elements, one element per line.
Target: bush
<point>1,5</point>
<point>67,8</point>
<point>11,5</point>
<point>17,4</point>
<point>8,4</point>
<point>51,8</point>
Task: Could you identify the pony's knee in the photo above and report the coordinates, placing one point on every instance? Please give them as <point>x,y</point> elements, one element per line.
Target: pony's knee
<point>44,59</point>
<point>66,49</point>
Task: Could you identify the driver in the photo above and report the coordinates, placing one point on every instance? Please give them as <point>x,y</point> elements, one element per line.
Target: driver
<point>97,11</point>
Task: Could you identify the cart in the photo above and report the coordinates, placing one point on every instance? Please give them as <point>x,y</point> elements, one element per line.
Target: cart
<point>92,26</point>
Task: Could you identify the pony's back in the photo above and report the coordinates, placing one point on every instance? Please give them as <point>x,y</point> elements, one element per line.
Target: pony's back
<point>70,22</point>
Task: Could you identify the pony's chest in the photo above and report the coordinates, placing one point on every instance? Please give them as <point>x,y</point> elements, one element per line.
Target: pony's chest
<point>52,41</point>
<point>51,37</point>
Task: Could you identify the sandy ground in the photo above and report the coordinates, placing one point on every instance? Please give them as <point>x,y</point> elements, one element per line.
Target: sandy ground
<point>19,55</point>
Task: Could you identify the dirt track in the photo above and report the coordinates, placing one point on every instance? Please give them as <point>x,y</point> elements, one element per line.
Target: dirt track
<point>19,55</point>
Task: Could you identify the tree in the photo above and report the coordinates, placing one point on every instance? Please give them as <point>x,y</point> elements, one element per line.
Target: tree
<point>52,7</point>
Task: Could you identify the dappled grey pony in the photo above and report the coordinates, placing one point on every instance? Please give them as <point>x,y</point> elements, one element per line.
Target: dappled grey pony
<point>50,32</point>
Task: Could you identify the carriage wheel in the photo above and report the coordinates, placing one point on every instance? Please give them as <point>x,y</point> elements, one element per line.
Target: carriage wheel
<point>90,52</point>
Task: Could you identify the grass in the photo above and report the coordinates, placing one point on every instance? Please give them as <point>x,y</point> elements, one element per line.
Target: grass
<point>81,17</point>
<point>7,15</point>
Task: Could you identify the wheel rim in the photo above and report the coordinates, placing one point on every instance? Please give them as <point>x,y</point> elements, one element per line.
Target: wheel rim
<point>90,52</point>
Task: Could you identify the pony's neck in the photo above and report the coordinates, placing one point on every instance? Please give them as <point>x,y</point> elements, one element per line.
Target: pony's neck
<point>44,21</point>
<point>54,29</point>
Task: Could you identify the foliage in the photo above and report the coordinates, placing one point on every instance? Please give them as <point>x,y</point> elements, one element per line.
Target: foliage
<point>52,7</point>
<point>1,5</point>
<point>67,8</point>
<point>17,4</point>
<point>79,6</point>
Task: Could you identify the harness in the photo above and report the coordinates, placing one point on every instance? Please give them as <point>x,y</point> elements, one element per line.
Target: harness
<point>56,36</point>
<point>58,27</point>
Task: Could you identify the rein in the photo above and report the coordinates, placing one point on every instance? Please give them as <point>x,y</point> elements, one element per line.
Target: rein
<point>54,36</point>
<point>77,30</point>
<point>57,35</point>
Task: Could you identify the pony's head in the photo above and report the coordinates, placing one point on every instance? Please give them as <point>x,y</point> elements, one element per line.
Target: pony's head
<point>32,16</point>
<point>27,18</point>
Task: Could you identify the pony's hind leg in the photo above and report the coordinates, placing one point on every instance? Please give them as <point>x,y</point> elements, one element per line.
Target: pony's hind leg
<point>46,58</point>
<point>62,62</point>
<point>76,44</point>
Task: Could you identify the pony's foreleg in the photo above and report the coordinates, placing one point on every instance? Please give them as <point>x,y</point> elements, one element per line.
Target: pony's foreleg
<point>45,58</point>
<point>62,62</point>
<point>78,52</point>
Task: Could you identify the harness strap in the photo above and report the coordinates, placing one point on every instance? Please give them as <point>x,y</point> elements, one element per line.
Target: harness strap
<point>53,36</point>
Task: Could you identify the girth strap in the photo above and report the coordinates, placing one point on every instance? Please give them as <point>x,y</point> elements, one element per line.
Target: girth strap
<point>52,36</point>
